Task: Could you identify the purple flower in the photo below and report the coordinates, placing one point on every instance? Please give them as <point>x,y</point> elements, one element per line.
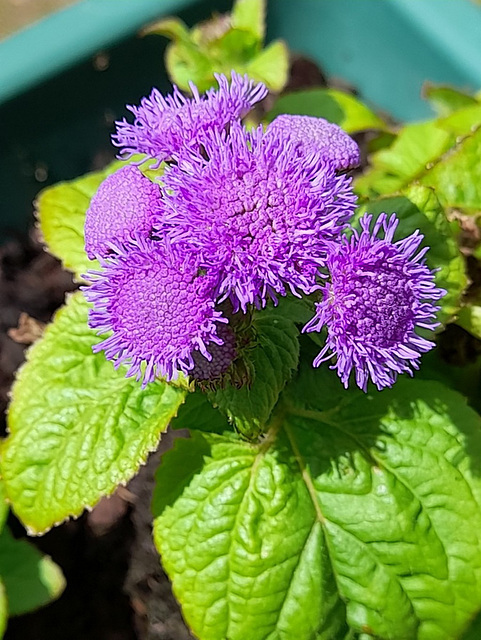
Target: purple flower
<point>251,210</point>
<point>164,126</point>
<point>317,135</point>
<point>125,204</point>
<point>380,293</point>
<point>159,308</point>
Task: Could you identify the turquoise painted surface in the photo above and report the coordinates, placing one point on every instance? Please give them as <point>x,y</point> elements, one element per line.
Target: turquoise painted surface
<point>387,48</point>
<point>63,38</point>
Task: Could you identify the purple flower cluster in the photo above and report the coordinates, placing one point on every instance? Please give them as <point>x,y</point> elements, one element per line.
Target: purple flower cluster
<point>244,216</point>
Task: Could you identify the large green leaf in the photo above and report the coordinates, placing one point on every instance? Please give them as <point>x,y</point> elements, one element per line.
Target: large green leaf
<point>30,578</point>
<point>77,426</point>
<point>272,362</point>
<point>333,105</point>
<point>359,510</point>
<point>463,121</point>
<point>418,208</point>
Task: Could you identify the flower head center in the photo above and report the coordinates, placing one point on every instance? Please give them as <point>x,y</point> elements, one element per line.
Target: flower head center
<point>376,301</point>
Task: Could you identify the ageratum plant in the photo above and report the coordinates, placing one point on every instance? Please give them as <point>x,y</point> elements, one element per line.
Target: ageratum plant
<point>239,282</point>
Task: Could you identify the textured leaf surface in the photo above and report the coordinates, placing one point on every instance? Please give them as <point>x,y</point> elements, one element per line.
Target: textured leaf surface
<point>418,208</point>
<point>333,105</point>
<point>273,359</point>
<point>77,426</point>
<point>457,176</point>
<point>31,579</point>
<point>361,512</point>
<point>416,146</point>
<point>442,153</point>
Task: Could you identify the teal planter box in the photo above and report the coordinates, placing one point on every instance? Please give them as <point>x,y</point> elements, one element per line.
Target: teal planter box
<point>57,109</point>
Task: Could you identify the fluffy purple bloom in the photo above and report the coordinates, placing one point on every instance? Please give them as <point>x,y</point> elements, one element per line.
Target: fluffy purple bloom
<point>159,308</point>
<point>380,293</point>
<point>317,135</point>
<point>164,125</point>
<point>250,209</point>
<point>125,204</point>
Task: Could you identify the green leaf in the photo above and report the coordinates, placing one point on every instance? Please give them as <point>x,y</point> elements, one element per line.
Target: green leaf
<point>3,506</point>
<point>221,44</point>
<point>31,579</point>
<point>474,631</point>
<point>366,514</point>
<point>250,15</point>
<point>272,360</point>
<point>185,64</point>
<point>197,413</point>
<point>271,66</point>
<point>416,146</point>
<point>469,318</point>
<point>462,122</point>
<point>418,208</point>
<point>430,152</point>
<point>77,426</point>
<point>3,609</point>
<point>333,105</point>
<point>446,100</point>
<point>298,310</point>
<point>172,28</point>
<point>457,176</point>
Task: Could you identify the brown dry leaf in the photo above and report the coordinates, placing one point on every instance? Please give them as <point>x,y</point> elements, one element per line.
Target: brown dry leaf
<point>28,331</point>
